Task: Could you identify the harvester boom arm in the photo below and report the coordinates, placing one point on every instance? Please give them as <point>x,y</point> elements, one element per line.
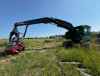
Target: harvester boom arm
<point>58,22</point>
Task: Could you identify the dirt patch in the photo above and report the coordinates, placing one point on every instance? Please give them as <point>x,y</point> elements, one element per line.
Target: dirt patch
<point>6,61</point>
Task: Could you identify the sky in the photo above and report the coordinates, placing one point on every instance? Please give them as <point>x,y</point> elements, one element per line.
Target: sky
<point>78,12</point>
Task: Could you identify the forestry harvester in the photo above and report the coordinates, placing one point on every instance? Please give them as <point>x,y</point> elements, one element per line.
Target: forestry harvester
<point>75,34</point>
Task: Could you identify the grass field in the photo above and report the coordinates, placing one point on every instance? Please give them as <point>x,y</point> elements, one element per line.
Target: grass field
<point>42,57</point>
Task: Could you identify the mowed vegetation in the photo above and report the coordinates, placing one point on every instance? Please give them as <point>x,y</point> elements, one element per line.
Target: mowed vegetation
<point>43,57</point>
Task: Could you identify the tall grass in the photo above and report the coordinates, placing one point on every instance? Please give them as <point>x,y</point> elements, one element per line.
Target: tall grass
<point>89,58</point>
<point>45,63</point>
<point>35,64</point>
<point>3,42</point>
